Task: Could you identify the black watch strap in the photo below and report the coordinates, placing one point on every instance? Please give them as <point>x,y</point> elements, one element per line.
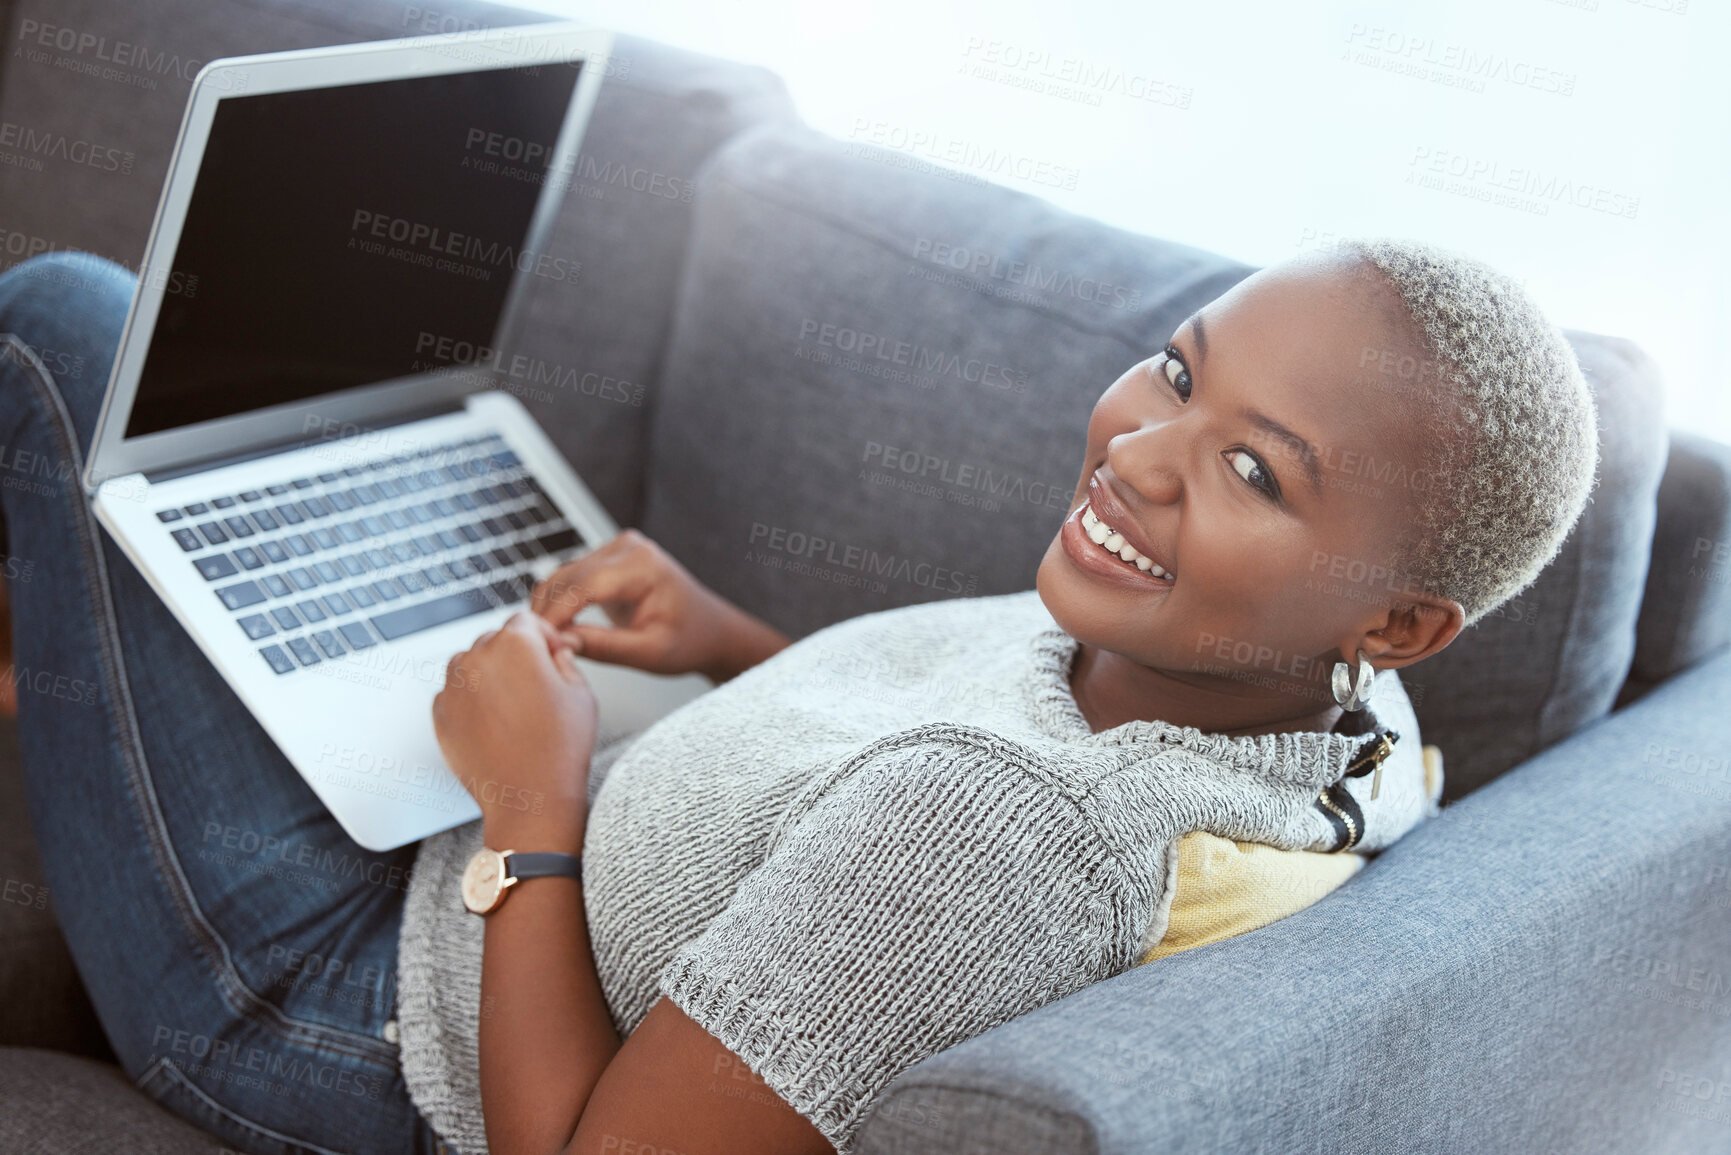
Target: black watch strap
<point>545,864</point>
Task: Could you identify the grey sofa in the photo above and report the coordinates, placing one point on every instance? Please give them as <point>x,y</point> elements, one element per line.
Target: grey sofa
<point>1545,967</point>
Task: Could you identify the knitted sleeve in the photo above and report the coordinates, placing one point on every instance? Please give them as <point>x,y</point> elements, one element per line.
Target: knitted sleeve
<point>933,891</point>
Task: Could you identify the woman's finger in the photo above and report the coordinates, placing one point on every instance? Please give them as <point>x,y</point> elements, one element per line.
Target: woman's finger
<point>624,579</point>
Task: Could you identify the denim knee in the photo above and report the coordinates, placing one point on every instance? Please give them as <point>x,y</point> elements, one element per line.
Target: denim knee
<point>67,310</point>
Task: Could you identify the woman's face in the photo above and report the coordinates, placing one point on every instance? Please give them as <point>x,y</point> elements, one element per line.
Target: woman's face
<point>1267,465</point>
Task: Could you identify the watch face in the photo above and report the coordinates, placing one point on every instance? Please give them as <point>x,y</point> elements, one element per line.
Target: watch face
<point>484,881</point>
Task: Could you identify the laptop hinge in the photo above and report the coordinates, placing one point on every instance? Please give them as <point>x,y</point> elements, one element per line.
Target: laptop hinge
<point>435,409</point>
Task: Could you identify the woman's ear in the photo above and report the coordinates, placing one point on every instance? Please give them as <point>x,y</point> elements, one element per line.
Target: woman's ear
<point>1413,629</point>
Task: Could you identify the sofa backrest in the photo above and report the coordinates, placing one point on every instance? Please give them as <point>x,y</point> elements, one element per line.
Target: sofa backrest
<point>878,392</point>
<point>588,358</point>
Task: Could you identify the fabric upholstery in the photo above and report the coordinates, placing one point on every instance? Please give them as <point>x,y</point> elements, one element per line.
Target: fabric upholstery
<point>816,413</point>
<point>58,1104</point>
<point>1686,610</point>
<point>781,453</point>
<point>1540,968</point>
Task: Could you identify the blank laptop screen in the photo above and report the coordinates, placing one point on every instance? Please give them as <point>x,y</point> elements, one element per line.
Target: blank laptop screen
<point>343,236</point>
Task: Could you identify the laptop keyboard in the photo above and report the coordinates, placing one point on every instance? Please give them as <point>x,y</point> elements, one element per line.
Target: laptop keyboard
<point>320,565</point>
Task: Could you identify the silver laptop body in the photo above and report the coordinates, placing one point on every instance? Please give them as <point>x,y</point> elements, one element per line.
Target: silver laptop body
<point>303,448</point>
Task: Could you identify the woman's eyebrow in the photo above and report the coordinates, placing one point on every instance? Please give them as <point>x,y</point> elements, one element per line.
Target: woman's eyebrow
<point>1194,321</point>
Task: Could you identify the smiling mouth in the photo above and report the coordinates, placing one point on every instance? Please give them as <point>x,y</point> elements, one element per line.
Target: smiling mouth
<point>1113,543</point>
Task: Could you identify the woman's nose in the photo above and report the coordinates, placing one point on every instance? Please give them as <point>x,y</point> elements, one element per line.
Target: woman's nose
<point>1151,460</point>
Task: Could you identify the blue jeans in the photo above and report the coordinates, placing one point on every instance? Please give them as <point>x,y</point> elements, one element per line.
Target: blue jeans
<point>239,948</point>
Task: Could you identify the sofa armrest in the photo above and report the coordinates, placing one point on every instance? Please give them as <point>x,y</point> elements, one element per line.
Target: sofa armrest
<point>1542,967</point>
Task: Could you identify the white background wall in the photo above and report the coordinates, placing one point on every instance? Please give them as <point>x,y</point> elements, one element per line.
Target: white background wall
<point>1583,146</point>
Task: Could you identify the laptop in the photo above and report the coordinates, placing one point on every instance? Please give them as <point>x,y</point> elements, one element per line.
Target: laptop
<point>304,446</point>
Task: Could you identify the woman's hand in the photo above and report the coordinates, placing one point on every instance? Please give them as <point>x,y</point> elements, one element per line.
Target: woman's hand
<point>664,620</point>
<point>516,721</point>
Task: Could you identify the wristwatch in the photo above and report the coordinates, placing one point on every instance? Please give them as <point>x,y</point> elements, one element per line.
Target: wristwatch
<point>491,873</point>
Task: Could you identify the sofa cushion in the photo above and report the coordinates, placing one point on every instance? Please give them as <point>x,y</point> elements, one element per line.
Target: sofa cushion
<point>878,393</point>
<point>54,1104</point>
<point>879,382</point>
<point>586,362</point>
<point>1686,609</point>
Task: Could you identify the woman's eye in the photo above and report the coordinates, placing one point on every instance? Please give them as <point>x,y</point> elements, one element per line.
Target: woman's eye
<point>1254,472</point>
<point>1176,373</point>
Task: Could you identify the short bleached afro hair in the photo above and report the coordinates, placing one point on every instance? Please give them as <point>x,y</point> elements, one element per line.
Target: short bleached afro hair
<point>1512,431</point>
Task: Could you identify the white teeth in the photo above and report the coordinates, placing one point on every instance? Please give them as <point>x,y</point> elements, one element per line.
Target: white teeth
<point>1104,535</point>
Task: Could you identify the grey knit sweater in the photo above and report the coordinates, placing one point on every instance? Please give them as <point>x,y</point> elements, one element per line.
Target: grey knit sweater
<point>890,837</point>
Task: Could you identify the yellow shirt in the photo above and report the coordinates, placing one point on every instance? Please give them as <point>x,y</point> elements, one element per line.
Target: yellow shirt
<point>1226,888</point>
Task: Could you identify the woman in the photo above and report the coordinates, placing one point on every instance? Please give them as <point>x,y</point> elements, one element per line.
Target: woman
<point>812,877</point>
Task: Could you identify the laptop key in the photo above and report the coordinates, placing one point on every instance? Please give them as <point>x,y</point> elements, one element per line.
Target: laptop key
<point>285,617</point>
<point>222,502</point>
<point>362,597</point>
<point>327,641</point>
<point>274,551</point>
<point>298,545</point>
<point>327,571</point>
<point>324,538</point>
<point>250,495</point>
<point>276,490</point>
<point>303,651</point>
<point>275,584</point>
<point>387,589</point>
<point>257,626</point>
<point>291,513</point>
<point>266,521</point>
<point>239,526</point>
<point>350,532</point>
<point>215,566</point>
<point>340,501</point>
<point>470,532</point>
<point>248,557</point>
<point>403,551</point>
<point>356,635</point>
<point>507,591</point>
<point>355,564</point>
<point>302,578</point>
<point>278,660</point>
<point>169,515</point>
<point>238,597</point>
<point>426,615</point>
<point>448,539</point>
<point>187,540</point>
<point>302,483</point>
<point>435,576</point>
<point>197,508</point>
<point>312,611</point>
<point>213,533</point>
<point>316,507</point>
<point>411,582</point>
<point>559,540</point>
<point>336,604</point>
